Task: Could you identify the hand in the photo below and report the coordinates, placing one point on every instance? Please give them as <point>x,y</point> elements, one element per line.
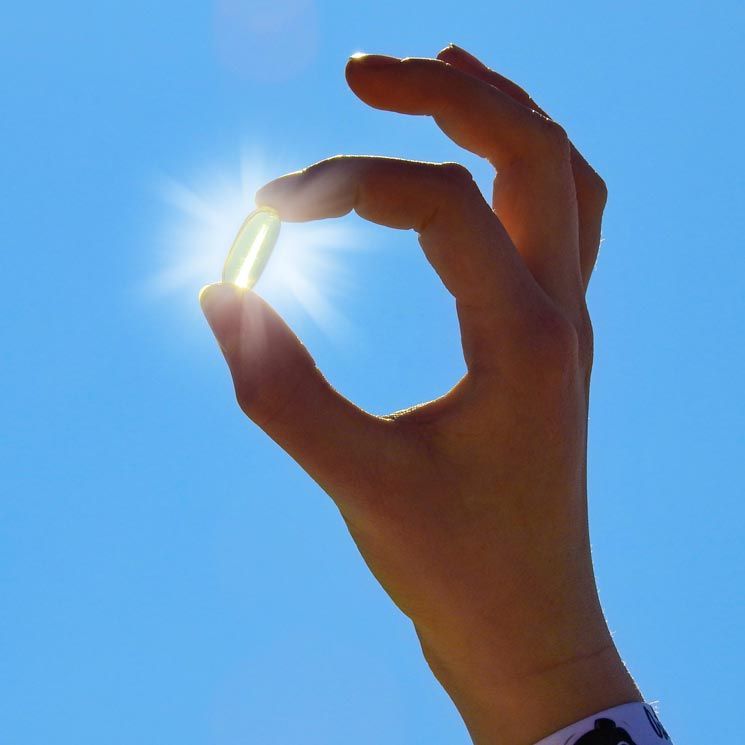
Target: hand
<point>471,510</point>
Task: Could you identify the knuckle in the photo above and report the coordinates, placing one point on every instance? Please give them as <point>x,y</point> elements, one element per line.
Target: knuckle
<point>551,138</point>
<point>411,63</point>
<point>594,189</point>
<point>585,342</point>
<point>322,168</point>
<point>518,92</point>
<point>456,195</point>
<point>591,188</point>
<point>421,66</point>
<point>455,174</point>
<point>458,183</point>
<point>600,189</point>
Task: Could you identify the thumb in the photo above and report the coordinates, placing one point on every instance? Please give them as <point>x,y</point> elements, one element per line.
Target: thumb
<point>279,387</point>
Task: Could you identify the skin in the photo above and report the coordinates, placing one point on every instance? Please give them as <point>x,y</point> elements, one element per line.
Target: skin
<point>471,510</point>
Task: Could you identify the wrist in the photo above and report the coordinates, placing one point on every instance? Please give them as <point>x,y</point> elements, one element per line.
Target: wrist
<point>533,707</point>
<point>509,695</point>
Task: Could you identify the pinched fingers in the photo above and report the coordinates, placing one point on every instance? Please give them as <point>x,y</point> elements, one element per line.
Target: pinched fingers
<point>534,194</point>
<point>590,187</point>
<point>459,233</point>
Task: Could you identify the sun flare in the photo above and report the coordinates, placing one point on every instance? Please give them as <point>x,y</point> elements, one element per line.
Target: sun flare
<point>202,218</point>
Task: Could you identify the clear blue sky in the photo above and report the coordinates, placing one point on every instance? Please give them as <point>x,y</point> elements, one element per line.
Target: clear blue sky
<point>167,574</point>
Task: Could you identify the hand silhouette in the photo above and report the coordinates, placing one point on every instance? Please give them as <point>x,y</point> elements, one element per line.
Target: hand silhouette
<point>471,510</point>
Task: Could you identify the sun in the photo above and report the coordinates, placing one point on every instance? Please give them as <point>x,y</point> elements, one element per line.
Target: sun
<point>310,270</point>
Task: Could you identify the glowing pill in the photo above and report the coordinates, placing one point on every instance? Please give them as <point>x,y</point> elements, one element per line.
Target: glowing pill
<point>252,248</point>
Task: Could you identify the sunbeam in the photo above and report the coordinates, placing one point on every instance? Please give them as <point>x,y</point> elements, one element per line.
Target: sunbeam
<point>201,220</point>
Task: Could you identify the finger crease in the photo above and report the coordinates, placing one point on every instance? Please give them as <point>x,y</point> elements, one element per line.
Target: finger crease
<point>427,221</point>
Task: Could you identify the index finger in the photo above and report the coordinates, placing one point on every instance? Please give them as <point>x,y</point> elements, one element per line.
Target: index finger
<point>460,235</point>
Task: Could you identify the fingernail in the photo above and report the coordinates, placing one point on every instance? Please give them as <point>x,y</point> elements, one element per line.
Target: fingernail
<point>268,194</point>
<point>263,197</point>
<point>374,60</point>
<point>460,52</point>
<point>217,296</point>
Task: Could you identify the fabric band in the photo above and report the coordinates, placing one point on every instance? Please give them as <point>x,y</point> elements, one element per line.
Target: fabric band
<point>627,724</point>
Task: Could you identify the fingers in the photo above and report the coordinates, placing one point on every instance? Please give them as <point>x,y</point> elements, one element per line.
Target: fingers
<point>279,387</point>
<point>590,187</point>
<point>477,116</point>
<point>466,62</point>
<point>459,233</point>
<point>534,193</point>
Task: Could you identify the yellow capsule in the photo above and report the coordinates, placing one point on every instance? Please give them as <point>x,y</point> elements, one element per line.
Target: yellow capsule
<point>252,248</point>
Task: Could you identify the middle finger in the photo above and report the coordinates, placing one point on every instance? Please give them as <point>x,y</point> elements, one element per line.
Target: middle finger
<point>536,200</point>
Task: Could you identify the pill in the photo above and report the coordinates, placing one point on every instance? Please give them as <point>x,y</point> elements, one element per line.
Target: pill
<point>252,248</point>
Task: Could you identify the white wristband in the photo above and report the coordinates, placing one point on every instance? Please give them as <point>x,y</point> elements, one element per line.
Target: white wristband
<point>627,724</point>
